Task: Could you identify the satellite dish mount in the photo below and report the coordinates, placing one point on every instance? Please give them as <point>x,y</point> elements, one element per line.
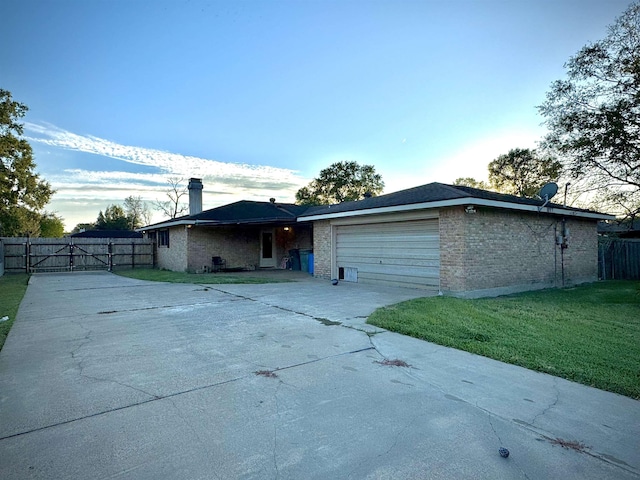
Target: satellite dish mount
<point>547,193</point>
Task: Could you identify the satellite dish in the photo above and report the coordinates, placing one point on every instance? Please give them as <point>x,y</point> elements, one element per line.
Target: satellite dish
<point>547,193</point>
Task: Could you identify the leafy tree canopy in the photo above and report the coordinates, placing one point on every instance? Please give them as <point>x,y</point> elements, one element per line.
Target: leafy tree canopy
<point>593,116</point>
<point>81,227</point>
<point>113,218</point>
<point>341,182</point>
<point>22,193</point>
<point>51,226</point>
<point>471,182</point>
<point>523,172</point>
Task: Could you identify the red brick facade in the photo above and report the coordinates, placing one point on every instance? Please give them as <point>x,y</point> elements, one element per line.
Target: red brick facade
<point>497,251</point>
<point>191,249</point>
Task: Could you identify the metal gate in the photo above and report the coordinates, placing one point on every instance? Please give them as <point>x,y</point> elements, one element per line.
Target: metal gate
<point>32,255</point>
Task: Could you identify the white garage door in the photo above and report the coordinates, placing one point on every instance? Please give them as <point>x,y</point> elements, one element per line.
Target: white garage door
<point>396,253</point>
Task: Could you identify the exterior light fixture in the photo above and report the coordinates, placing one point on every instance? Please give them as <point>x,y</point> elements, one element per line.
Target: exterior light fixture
<point>470,209</point>
<point>286,229</point>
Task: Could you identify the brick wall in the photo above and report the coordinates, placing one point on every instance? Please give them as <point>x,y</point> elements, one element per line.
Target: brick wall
<point>240,246</point>
<point>174,257</point>
<point>581,254</point>
<point>495,251</point>
<point>298,236</point>
<point>322,249</point>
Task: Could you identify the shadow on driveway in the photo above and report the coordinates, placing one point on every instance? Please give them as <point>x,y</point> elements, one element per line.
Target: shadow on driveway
<point>104,376</point>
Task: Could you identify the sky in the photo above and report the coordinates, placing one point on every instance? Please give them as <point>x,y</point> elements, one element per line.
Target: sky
<point>256,97</point>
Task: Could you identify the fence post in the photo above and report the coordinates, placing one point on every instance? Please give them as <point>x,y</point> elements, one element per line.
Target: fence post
<point>110,255</point>
<point>27,255</point>
<point>133,255</point>
<point>71,254</point>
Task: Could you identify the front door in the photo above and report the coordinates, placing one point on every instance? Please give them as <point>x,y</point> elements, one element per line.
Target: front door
<point>267,248</point>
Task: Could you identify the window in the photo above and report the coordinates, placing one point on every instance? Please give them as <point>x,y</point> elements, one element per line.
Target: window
<point>163,238</point>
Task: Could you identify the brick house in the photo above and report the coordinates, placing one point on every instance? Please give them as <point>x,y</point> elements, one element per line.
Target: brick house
<point>246,235</point>
<point>456,240</point>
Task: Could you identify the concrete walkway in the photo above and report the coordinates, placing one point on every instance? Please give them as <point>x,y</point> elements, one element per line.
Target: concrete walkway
<point>108,377</point>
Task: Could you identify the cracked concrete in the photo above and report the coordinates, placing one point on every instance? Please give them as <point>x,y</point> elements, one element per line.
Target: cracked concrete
<point>106,377</point>
<point>551,404</point>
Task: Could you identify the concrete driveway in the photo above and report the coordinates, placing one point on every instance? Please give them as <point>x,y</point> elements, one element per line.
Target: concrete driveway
<point>108,377</point>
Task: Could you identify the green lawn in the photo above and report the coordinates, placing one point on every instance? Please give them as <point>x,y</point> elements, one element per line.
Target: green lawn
<point>156,275</point>
<point>589,334</point>
<point>12,288</point>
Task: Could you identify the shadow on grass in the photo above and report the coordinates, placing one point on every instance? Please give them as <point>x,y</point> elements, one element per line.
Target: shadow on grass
<point>12,289</point>
<point>588,334</point>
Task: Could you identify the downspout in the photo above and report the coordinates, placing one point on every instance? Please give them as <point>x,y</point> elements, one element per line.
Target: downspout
<point>555,255</point>
<point>563,245</point>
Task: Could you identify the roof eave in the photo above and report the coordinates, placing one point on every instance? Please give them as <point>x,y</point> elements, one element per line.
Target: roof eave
<point>167,224</point>
<point>209,223</point>
<point>457,202</point>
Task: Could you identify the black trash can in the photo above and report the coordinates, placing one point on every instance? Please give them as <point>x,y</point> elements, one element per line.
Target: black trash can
<point>294,255</point>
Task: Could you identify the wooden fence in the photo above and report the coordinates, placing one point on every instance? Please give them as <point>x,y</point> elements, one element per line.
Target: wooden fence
<point>32,255</point>
<point>618,258</point>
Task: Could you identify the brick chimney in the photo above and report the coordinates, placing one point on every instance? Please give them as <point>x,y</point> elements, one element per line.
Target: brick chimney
<point>195,196</point>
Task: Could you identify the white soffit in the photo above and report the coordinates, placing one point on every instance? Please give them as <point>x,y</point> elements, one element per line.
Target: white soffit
<point>457,202</point>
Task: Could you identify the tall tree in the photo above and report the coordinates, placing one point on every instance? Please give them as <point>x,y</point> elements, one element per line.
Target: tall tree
<point>471,182</point>
<point>341,182</point>
<point>593,116</point>
<point>137,211</point>
<point>173,207</point>
<point>81,227</point>
<point>51,226</point>
<point>113,218</point>
<point>523,172</point>
<point>22,193</point>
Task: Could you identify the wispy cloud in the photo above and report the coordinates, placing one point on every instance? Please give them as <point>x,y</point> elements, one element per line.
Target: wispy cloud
<point>224,182</point>
<point>167,163</point>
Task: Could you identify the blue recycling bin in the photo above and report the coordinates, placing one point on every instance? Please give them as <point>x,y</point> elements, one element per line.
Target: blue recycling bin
<point>304,260</point>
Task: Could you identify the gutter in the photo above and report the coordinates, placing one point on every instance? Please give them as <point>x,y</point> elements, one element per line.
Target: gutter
<point>158,226</point>
<point>458,202</point>
<point>205,223</point>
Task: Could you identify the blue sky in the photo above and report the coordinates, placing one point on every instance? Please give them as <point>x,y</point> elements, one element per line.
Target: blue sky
<point>256,97</point>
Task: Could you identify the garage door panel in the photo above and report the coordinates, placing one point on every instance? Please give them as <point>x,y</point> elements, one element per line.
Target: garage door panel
<point>398,253</point>
<point>398,234</point>
<point>362,262</point>
<point>396,270</point>
<point>391,251</point>
<point>431,283</point>
<point>420,226</point>
<point>391,242</point>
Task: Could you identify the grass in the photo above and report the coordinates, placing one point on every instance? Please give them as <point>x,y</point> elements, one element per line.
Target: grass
<point>156,275</point>
<point>12,288</point>
<point>589,334</point>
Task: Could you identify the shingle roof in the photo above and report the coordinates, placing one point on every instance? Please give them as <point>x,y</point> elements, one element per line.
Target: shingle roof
<point>431,192</point>
<point>626,227</point>
<point>251,212</point>
<point>242,212</point>
<point>246,211</point>
<point>107,234</point>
